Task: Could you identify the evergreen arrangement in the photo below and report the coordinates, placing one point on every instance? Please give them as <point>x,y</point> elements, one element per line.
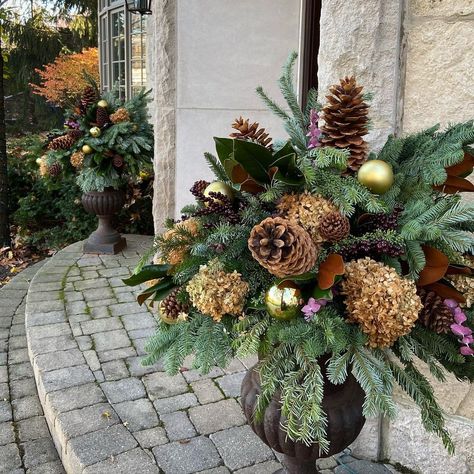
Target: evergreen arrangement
<point>324,259</point>
<point>105,141</point>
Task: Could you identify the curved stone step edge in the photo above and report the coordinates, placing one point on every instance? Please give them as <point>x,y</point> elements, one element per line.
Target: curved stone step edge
<point>59,266</point>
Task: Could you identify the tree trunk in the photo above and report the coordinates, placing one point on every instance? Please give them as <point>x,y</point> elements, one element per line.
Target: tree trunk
<point>4,226</point>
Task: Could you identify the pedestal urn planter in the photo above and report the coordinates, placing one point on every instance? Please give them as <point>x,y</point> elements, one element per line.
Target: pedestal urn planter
<point>104,204</point>
<point>342,405</point>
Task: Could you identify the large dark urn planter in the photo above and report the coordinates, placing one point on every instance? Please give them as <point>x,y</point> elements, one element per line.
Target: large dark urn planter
<point>104,204</point>
<point>342,405</point>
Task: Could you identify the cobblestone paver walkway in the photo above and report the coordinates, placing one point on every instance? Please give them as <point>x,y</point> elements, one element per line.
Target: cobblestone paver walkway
<point>25,441</point>
<point>109,414</point>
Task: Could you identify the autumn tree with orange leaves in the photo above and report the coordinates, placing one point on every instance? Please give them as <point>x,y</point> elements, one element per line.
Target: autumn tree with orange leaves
<point>63,80</point>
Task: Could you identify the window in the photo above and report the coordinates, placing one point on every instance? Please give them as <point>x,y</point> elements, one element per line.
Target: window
<point>122,42</point>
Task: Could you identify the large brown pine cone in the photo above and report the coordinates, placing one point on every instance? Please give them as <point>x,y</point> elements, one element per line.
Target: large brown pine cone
<point>89,97</point>
<point>346,121</point>
<point>251,132</point>
<point>62,143</point>
<point>75,134</point>
<point>334,226</point>
<point>434,315</point>
<point>282,247</point>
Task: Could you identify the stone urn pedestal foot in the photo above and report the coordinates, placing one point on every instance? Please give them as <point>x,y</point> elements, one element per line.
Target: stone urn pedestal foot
<point>341,403</point>
<point>104,204</point>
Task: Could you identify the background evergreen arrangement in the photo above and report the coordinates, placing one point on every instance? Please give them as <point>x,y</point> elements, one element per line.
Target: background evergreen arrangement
<point>416,235</point>
<point>106,142</point>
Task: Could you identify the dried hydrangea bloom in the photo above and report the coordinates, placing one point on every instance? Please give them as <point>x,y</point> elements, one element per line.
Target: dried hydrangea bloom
<point>306,210</point>
<point>177,255</point>
<point>215,292</point>
<point>384,304</point>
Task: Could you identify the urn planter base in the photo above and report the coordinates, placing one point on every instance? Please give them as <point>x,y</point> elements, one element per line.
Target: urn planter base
<point>342,405</point>
<point>105,239</point>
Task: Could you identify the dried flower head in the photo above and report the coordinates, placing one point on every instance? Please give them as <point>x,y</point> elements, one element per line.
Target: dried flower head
<point>465,283</point>
<point>216,293</point>
<point>77,159</point>
<point>43,167</point>
<point>306,210</point>
<point>384,304</point>
<point>178,252</point>
<point>121,115</point>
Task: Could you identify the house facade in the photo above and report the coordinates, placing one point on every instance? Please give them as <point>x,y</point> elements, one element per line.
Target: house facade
<point>203,60</point>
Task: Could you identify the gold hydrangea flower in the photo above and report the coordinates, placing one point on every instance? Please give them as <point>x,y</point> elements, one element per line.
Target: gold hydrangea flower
<point>465,283</point>
<point>177,254</point>
<point>306,210</point>
<point>384,304</point>
<point>215,292</point>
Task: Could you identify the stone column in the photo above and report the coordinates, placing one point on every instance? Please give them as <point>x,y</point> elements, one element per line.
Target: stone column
<point>162,59</point>
<point>363,38</point>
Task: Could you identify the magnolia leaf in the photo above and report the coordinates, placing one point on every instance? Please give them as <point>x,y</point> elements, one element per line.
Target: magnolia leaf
<point>446,290</point>
<point>320,294</point>
<point>455,184</point>
<point>329,269</point>
<point>239,176</point>
<point>462,169</point>
<point>148,272</point>
<point>224,148</point>
<point>255,159</point>
<point>435,268</point>
<point>456,269</point>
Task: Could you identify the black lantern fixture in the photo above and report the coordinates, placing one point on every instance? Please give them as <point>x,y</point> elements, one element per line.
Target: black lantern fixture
<point>143,7</point>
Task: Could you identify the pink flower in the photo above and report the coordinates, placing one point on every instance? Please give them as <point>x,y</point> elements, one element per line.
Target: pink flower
<point>467,339</point>
<point>459,316</point>
<point>450,303</point>
<point>461,331</point>
<point>312,307</point>
<point>314,132</point>
<point>467,351</point>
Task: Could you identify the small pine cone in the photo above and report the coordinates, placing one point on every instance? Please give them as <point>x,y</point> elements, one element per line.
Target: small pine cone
<point>346,121</point>
<point>121,115</point>
<point>118,161</point>
<point>89,97</point>
<point>102,117</point>
<point>282,247</point>
<point>55,169</point>
<point>77,159</point>
<point>435,315</point>
<point>251,132</point>
<point>75,134</point>
<point>171,308</point>
<point>63,142</point>
<point>334,227</point>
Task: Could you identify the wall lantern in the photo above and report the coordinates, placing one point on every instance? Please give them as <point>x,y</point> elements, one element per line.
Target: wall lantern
<point>143,7</point>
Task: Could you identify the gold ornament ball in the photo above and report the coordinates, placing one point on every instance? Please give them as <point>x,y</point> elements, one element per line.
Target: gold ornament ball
<point>219,187</point>
<point>284,301</point>
<point>86,149</point>
<point>376,175</point>
<point>39,161</point>
<point>95,132</point>
<point>134,127</point>
<point>102,103</point>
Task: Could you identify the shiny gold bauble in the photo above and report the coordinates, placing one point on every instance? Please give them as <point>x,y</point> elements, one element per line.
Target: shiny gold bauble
<point>102,103</point>
<point>219,187</point>
<point>284,301</point>
<point>377,175</point>
<point>95,132</point>
<point>86,149</point>
<point>39,161</point>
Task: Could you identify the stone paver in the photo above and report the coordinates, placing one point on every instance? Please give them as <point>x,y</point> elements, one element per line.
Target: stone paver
<point>26,445</point>
<point>109,413</point>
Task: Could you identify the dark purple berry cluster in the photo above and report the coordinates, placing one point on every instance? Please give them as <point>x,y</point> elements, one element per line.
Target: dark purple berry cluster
<point>370,248</point>
<point>216,204</point>
<point>382,221</point>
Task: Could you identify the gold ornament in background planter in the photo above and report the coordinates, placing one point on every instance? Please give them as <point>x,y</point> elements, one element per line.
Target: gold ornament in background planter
<point>95,132</point>
<point>87,149</point>
<point>377,175</point>
<point>102,103</point>
<point>104,204</point>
